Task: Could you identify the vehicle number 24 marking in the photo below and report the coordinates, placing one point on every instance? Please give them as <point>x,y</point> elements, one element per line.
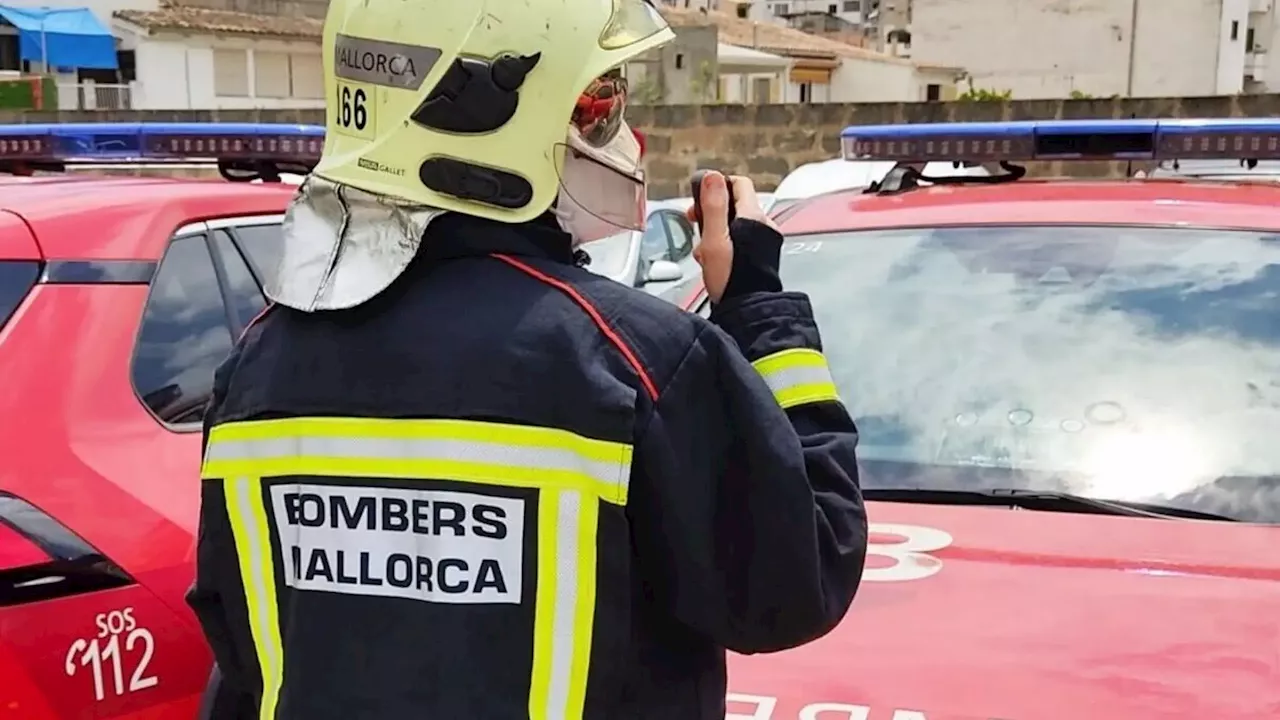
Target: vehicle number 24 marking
<point>800,247</point>
<point>120,644</point>
<point>910,554</point>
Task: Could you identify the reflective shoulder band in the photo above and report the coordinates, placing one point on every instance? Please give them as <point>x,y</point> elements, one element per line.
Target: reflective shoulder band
<point>459,450</point>
<point>798,377</point>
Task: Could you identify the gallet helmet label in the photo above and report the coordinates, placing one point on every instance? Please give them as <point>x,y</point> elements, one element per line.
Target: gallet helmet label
<point>388,64</point>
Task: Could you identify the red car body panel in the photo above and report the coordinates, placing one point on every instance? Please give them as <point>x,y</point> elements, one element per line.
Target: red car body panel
<point>1038,615</point>
<point>1033,615</point>
<point>77,443</point>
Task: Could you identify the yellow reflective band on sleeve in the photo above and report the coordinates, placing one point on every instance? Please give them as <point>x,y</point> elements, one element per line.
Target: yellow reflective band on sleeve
<point>458,450</point>
<point>798,377</point>
<point>248,518</point>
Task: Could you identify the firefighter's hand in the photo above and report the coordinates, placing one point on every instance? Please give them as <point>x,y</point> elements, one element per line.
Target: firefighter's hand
<point>715,252</point>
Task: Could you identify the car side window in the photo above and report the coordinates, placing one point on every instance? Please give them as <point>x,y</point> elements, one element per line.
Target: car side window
<point>682,234</point>
<point>654,244</point>
<point>241,289</point>
<point>184,336</point>
<point>264,246</point>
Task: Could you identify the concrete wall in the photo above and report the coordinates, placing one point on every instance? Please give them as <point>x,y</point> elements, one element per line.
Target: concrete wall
<point>767,141</point>
<point>1049,48</point>
<point>681,72</point>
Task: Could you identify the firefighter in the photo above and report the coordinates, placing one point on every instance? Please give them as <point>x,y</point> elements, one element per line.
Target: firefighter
<point>450,473</point>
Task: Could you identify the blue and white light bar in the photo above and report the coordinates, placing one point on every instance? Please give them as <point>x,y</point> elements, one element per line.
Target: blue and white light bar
<point>122,142</point>
<point>1230,139</point>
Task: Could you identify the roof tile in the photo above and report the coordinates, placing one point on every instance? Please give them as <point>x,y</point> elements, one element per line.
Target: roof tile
<point>204,20</point>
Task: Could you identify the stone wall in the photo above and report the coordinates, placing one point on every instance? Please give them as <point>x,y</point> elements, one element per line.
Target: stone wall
<point>767,141</point>
<point>288,8</point>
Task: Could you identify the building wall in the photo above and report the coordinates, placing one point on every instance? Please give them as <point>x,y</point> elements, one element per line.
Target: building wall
<point>1264,20</point>
<point>200,71</point>
<point>682,71</point>
<point>759,88</point>
<point>858,80</point>
<point>851,11</point>
<point>1050,48</point>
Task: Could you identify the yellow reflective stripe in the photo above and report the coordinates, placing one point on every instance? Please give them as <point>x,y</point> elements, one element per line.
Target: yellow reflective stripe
<point>248,520</point>
<point>798,376</point>
<point>564,614</point>
<point>458,450</point>
<point>572,474</point>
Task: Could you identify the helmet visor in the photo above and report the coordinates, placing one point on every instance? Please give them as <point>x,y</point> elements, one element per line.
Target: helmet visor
<point>632,21</point>
<point>604,187</point>
<point>599,113</point>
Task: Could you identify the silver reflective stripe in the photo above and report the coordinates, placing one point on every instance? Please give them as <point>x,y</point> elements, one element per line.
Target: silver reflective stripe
<point>565,603</point>
<point>785,379</point>
<point>492,453</point>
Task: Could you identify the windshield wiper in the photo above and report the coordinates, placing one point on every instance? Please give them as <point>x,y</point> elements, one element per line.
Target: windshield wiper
<point>1045,500</point>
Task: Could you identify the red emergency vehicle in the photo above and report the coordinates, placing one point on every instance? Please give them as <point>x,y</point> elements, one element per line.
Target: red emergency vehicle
<point>1068,394</point>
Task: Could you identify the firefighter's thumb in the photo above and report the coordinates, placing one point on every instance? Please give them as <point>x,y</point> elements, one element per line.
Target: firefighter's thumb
<point>715,248</point>
<point>715,210</point>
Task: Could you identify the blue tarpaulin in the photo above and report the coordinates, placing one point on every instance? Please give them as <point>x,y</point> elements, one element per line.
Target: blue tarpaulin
<point>62,37</point>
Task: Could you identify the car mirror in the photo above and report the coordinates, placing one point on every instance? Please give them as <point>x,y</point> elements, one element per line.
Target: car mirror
<point>663,271</point>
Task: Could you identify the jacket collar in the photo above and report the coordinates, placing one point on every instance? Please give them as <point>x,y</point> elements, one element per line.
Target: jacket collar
<point>454,235</point>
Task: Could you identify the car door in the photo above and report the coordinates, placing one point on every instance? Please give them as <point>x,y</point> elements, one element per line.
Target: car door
<point>92,619</point>
<point>654,245</point>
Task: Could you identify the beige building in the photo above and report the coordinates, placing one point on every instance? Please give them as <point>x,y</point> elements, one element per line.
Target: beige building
<point>1099,48</point>
<point>201,58</point>
<point>821,70</point>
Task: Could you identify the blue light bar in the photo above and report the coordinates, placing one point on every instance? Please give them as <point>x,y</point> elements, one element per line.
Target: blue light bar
<point>118,142</point>
<point>1232,139</point>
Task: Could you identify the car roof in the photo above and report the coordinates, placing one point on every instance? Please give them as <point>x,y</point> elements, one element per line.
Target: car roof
<point>127,218</point>
<point>1172,202</point>
<point>827,176</point>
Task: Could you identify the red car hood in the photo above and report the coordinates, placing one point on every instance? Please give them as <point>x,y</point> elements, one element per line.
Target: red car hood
<point>1021,615</point>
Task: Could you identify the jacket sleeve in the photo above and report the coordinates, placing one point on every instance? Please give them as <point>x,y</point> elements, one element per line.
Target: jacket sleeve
<point>747,514</point>
<point>214,596</point>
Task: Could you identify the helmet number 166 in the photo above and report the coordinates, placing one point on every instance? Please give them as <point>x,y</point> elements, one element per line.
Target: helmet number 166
<point>354,111</point>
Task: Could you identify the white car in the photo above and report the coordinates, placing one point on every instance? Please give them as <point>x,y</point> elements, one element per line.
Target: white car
<point>818,178</point>
<point>656,259</point>
<point>1224,170</point>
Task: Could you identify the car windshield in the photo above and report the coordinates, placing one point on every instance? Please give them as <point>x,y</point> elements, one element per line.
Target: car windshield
<point>609,256</point>
<point>1122,363</point>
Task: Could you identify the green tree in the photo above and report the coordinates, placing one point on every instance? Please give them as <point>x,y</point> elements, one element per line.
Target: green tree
<point>977,94</point>
<point>647,92</point>
<point>705,84</point>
